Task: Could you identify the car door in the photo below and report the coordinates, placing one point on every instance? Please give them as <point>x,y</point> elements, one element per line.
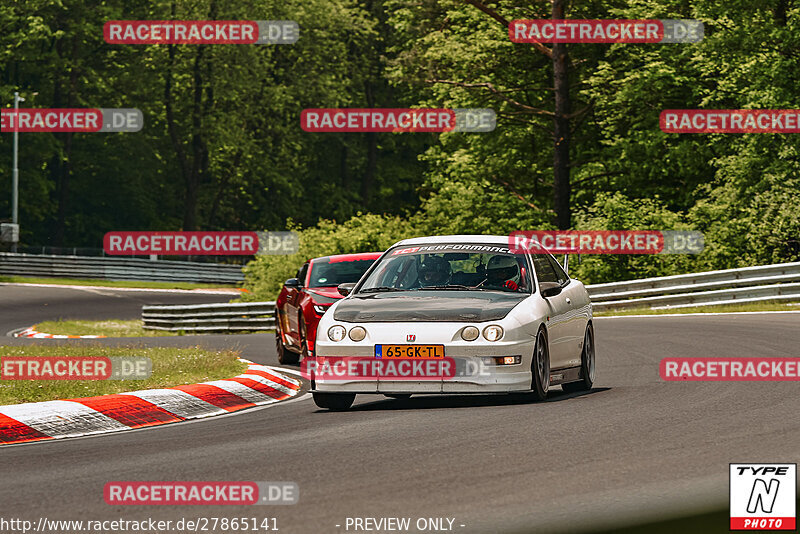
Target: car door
<point>293,297</point>
<point>575,318</point>
<point>558,313</point>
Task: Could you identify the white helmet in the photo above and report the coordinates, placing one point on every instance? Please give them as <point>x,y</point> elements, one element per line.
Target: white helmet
<point>501,268</point>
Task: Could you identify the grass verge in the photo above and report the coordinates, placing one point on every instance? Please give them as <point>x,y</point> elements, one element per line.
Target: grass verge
<point>112,283</point>
<point>111,328</point>
<point>108,328</point>
<point>171,367</point>
<point>726,308</point>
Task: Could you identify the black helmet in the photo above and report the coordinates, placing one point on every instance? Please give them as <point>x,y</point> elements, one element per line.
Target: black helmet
<point>434,271</point>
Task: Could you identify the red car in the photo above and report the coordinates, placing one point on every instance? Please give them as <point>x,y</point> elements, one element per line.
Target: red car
<point>304,299</point>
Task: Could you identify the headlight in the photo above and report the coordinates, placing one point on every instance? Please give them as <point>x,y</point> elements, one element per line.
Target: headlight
<point>470,333</point>
<point>320,309</point>
<point>357,333</point>
<point>493,332</point>
<point>336,333</point>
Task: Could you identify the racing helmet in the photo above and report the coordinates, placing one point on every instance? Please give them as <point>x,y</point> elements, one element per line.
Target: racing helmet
<point>434,271</point>
<point>501,268</point>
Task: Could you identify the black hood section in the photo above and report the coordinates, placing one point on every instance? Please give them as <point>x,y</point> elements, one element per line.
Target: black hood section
<point>434,306</point>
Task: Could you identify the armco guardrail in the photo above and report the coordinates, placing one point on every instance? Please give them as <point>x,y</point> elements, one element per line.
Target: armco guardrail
<point>750,284</point>
<point>780,282</point>
<point>223,317</point>
<point>114,268</point>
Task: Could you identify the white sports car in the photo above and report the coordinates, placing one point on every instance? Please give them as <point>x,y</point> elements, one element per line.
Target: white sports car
<point>454,314</point>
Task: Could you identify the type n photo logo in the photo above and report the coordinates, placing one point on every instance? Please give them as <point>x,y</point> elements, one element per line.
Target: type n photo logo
<point>763,496</point>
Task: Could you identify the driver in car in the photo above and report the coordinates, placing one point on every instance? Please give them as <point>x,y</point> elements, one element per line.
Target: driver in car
<point>502,272</point>
<point>434,271</point>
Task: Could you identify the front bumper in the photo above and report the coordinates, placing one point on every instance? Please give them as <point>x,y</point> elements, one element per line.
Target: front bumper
<point>468,371</point>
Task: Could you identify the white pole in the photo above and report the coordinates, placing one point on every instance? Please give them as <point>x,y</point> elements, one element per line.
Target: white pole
<point>15,169</point>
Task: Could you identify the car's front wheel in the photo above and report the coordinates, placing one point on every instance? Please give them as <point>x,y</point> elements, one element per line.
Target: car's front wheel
<point>335,402</point>
<point>540,367</point>
<point>304,352</point>
<point>587,365</point>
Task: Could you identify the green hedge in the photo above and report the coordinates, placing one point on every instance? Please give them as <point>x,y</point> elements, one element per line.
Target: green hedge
<point>761,231</point>
<point>265,275</point>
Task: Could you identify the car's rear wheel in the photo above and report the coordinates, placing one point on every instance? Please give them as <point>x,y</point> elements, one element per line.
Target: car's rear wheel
<point>335,402</point>
<point>587,365</point>
<point>285,356</point>
<point>540,367</point>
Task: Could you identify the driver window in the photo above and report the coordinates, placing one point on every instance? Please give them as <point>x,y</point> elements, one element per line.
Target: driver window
<point>544,270</point>
<point>408,275</point>
<point>301,274</point>
<point>523,274</point>
<point>563,279</point>
<point>402,273</point>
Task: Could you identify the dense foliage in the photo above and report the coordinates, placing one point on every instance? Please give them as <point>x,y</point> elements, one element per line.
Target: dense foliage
<point>223,149</point>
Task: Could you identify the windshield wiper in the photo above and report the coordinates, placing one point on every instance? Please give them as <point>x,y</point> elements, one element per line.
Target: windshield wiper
<point>451,286</point>
<point>380,289</point>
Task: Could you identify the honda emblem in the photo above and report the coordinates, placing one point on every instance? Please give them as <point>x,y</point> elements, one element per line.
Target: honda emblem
<point>411,337</point>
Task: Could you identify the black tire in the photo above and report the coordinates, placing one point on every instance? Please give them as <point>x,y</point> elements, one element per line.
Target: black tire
<point>398,395</point>
<point>540,367</point>
<point>304,353</point>
<point>285,356</point>
<point>335,402</point>
<point>587,365</point>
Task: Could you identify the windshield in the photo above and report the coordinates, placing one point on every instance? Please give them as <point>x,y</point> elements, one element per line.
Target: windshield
<point>450,267</point>
<point>326,273</point>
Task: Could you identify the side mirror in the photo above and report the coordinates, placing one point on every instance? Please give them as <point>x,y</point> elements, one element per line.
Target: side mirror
<point>345,289</point>
<point>292,282</point>
<point>549,289</point>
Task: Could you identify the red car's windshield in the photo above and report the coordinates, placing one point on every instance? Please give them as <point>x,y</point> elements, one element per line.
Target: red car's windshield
<point>325,273</point>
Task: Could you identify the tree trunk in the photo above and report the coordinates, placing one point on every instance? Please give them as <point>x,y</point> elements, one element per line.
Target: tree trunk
<point>62,161</point>
<point>63,170</point>
<point>199,154</point>
<point>367,183</point>
<point>561,133</point>
<point>344,176</point>
<point>192,165</point>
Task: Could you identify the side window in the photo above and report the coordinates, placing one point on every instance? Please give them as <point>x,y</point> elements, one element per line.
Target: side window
<point>523,273</point>
<point>301,274</point>
<point>563,279</point>
<point>400,273</point>
<point>544,269</point>
<point>406,274</point>
<point>389,273</point>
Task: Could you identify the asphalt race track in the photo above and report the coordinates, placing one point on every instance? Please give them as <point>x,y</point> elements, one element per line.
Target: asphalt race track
<point>22,306</point>
<point>634,449</point>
